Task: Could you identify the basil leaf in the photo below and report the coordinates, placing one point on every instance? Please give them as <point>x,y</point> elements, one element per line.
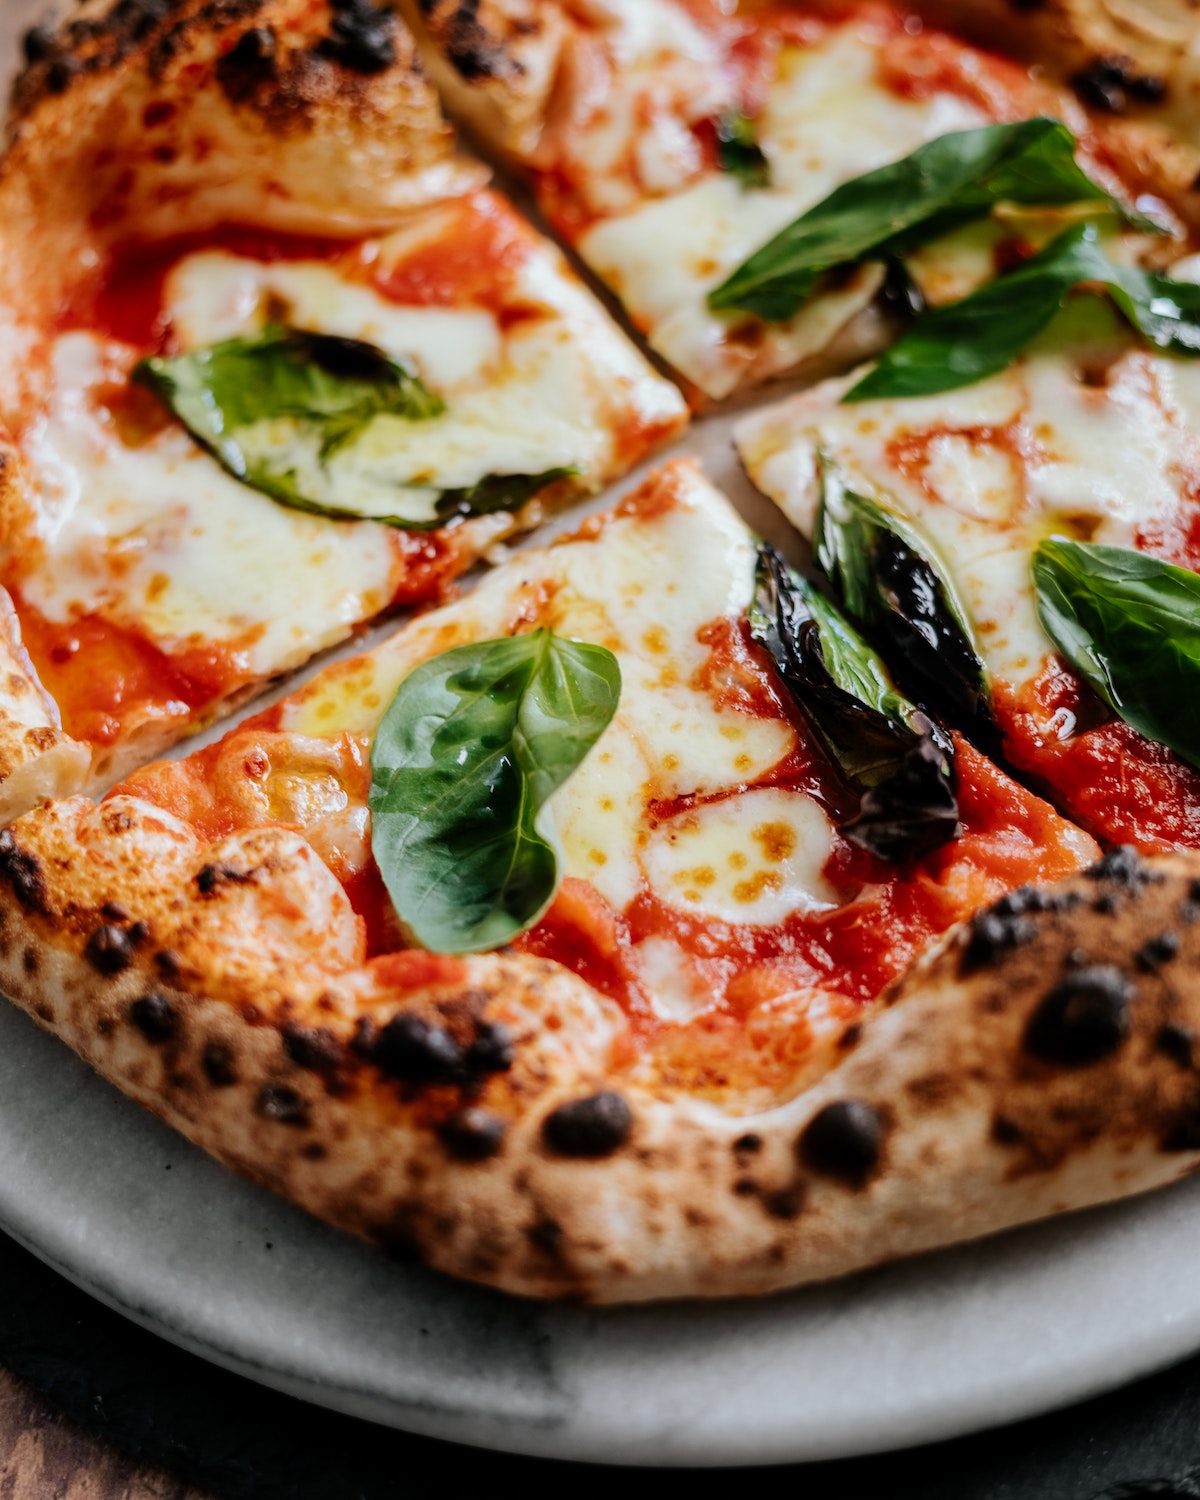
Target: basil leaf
<point>967,341</point>
<point>738,151</point>
<point>891,583</point>
<point>1130,625</point>
<point>473,744</point>
<point>886,750</point>
<point>942,185</point>
<point>287,412</point>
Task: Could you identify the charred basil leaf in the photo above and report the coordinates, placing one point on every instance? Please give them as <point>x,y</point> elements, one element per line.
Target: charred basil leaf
<point>1130,625</point>
<point>739,153</point>
<point>941,186</point>
<point>885,749</point>
<point>470,749</point>
<point>966,341</point>
<point>892,585</point>
<point>294,415</point>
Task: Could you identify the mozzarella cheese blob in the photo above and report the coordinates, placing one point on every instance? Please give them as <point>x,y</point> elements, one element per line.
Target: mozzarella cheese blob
<point>827,119</point>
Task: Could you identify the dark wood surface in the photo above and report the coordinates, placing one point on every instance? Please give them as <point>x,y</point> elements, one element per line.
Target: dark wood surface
<point>93,1408</point>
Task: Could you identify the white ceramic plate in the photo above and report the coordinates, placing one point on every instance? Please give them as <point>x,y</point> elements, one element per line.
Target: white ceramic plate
<point>928,1349</point>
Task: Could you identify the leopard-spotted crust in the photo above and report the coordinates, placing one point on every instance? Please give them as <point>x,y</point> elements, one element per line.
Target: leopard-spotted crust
<point>472,1112</point>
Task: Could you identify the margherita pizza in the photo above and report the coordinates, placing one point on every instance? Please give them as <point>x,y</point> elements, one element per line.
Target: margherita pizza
<point>657,917</point>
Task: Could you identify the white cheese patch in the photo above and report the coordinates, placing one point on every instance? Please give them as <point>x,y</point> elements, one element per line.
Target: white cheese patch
<point>754,858</point>
<point>1051,445</point>
<point>827,119</point>
<point>669,739</point>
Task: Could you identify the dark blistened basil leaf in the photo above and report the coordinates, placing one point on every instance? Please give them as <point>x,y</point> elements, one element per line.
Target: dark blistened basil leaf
<point>473,744</point>
<point>944,184</point>
<point>1130,625</point>
<point>967,341</point>
<point>498,492</point>
<point>891,583</point>
<point>739,153</point>
<point>885,750</point>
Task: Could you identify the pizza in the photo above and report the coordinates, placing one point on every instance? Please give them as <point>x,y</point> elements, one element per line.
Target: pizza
<point>236,286</point>
<point>650,913</point>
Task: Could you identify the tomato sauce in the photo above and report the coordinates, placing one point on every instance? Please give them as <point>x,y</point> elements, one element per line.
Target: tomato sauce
<point>1117,783</point>
<point>104,676</point>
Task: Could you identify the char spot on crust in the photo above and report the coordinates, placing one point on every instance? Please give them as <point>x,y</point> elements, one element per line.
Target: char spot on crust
<point>414,1050</point>
<point>785,1203</point>
<point>113,911</point>
<point>312,1047</point>
<point>844,1140</point>
<point>1112,84</point>
<point>219,1065</point>
<point>38,42</point>
<point>1083,1018</point>
<point>23,872</point>
<point>1124,866</point>
<point>546,1235</point>
<point>991,935</point>
<point>592,1127</point>
<point>362,36</point>
<point>249,63</point>
<point>1184,1134</point>
<point>748,1145</point>
<point>168,963</point>
<point>1006,1132</point>
<point>1176,1042</point>
<point>1157,951</point>
<point>109,950</point>
<point>210,878</point>
<point>30,960</point>
<point>473,1134</point>
<point>155,1017</point>
<point>278,1102</point>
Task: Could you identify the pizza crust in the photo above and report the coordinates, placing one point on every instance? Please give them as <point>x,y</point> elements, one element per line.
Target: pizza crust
<point>1043,1058</point>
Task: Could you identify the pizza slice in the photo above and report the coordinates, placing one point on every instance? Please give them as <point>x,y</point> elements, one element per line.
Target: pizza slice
<point>724,169</point>
<point>546,941</point>
<point>278,362</point>
<point>1047,515</point>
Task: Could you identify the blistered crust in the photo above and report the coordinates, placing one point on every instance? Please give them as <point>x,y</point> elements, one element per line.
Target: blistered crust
<point>161,119</point>
<point>474,1112</point>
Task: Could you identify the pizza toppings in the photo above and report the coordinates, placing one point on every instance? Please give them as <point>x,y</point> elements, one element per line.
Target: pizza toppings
<point>900,765</point>
<point>844,1140</point>
<point>473,744</point>
<point>886,213</point>
<point>1130,626</point>
<point>738,151</point>
<point>589,1128</point>
<point>963,342</point>
<point>1085,1017</point>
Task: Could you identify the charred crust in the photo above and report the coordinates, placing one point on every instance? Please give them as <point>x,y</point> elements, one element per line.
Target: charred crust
<point>30,961</point>
<point>23,872</point>
<point>1107,903</point>
<point>1006,1131</point>
<point>1085,1017</point>
<point>745,1187</point>
<point>156,1017</point>
<point>468,45</point>
<point>1176,1042</point>
<point>992,935</point>
<point>113,911</point>
<point>168,963</point>
<point>312,1047</point>
<point>210,878</point>
<point>109,950</point>
<point>250,62</point>
<point>546,1235</point>
<point>844,1140</point>
<point>492,1051</point>
<point>414,1050</point>
<point>1124,867</point>
<point>38,43</point>
<point>785,1203</point>
<point>1111,84</point>
<point>1157,951</point>
<point>1184,1133</point>
<point>589,1128</point>
<point>473,1134</point>
<point>282,1104</point>
<point>219,1064</point>
<point>749,1144</point>
<point>362,36</point>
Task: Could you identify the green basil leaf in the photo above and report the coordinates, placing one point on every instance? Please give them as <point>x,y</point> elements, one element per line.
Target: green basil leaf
<point>287,413</point>
<point>900,766</point>
<point>1130,625</point>
<point>739,153</point>
<point>883,214</point>
<point>892,585</point>
<point>967,341</point>
<point>473,744</point>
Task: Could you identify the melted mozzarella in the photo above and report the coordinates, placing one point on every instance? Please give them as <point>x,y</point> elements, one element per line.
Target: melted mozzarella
<point>990,470</point>
<point>827,119</point>
<point>157,536</point>
<point>669,739</point>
